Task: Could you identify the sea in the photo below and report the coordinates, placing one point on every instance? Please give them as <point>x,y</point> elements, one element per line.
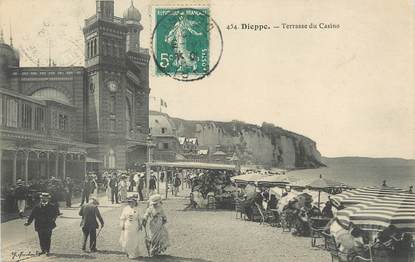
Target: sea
<point>361,172</point>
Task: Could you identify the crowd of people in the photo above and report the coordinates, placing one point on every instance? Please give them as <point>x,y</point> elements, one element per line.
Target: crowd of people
<point>135,225</point>
<point>296,213</point>
<point>22,195</point>
<point>19,197</point>
<point>149,226</point>
<point>390,244</point>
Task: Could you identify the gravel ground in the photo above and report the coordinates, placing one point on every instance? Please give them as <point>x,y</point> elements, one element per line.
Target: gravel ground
<point>195,236</point>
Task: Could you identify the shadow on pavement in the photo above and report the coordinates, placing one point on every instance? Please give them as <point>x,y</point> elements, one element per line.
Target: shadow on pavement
<point>65,217</point>
<point>113,252</point>
<point>74,256</point>
<point>171,259</point>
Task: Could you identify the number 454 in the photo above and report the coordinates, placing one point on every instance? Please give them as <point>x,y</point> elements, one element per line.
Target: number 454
<point>231,26</point>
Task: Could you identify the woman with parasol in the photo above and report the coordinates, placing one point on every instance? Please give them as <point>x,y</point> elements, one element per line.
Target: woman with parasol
<point>154,220</point>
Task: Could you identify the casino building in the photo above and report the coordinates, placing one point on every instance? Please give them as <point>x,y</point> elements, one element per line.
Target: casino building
<point>60,121</point>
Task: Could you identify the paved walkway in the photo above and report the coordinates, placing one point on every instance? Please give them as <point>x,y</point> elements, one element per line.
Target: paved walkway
<point>13,231</point>
<point>195,235</point>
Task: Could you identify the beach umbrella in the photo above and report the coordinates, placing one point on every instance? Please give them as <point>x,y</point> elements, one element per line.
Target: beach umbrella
<point>274,180</point>
<point>344,215</point>
<point>324,184</point>
<point>247,178</point>
<point>394,209</point>
<point>324,197</point>
<point>365,194</point>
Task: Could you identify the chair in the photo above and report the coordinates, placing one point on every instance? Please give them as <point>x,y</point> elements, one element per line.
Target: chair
<point>333,248</point>
<point>315,233</point>
<point>317,227</point>
<point>270,218</point>
<point>285,222</point>
<point>256,213</point>
<point>238,209</point>
<point>261,213</point>
<point>275,220</point>
<point>211,204</point>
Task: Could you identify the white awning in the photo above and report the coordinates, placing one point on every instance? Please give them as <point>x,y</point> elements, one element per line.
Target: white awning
<point>92,160</point>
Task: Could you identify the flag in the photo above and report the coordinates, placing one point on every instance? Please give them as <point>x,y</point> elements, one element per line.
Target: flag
<point>165,104</point>
<point>161,102</point>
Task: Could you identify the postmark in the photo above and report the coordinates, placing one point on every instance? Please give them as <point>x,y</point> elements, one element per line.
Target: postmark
<point>182,43</point>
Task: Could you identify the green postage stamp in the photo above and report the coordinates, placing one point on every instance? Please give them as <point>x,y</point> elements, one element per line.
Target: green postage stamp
<point>181,42</point>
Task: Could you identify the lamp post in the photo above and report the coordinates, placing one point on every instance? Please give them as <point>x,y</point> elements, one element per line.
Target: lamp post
<point>148,167</point>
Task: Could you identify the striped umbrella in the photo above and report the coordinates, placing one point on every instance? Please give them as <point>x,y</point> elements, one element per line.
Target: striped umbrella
<point>365,195</point>
<point>395,209</point>
<point>344,214</point>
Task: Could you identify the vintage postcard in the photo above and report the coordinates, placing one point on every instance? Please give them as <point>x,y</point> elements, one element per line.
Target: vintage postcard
<point>207,130</point>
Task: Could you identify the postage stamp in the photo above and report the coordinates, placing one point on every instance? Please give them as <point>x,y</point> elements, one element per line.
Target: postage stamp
<point>182,42</point>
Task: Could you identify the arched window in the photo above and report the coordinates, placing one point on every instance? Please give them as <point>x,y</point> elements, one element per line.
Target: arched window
<point>111,159</point>
<point>128,115</point>
<point>50,93</point>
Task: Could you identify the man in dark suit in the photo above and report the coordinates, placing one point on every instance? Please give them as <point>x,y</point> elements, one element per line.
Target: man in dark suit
<point>86,190</point>
<point>114,188</point>
<point>89,224</point>
<point>68,186</point>
<point>140,187</point>
<point>45,215</point>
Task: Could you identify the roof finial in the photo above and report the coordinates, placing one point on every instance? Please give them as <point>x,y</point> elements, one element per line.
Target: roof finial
<point>50,60</point>
<point>11,37</point>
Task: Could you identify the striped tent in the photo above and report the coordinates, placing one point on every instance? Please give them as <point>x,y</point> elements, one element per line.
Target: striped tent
<point>344,214</point>
<point>395,209</point>
<point>365,195</point>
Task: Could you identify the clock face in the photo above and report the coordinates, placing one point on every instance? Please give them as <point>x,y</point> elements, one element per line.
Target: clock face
<point>113,86</point>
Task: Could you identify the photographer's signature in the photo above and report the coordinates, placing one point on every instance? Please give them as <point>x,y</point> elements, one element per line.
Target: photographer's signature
<point>18,255</point>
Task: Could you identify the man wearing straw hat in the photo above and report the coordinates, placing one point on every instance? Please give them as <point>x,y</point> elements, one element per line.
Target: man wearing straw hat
<point>45,215</point>
<point>89,224</point>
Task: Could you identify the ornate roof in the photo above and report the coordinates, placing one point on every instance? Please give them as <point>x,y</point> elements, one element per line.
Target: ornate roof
<point>132,13</point>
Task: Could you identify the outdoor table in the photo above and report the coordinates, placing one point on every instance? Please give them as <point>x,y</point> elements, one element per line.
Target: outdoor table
<point>319,222</point>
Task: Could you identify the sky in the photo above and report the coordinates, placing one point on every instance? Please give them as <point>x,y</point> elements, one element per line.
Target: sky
<point>351,89</point>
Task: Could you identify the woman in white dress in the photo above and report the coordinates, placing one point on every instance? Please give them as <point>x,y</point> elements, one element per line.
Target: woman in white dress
<point>123,189</point>
<point>108,190</point>
<point>130,223</point>
<point>94,181</point>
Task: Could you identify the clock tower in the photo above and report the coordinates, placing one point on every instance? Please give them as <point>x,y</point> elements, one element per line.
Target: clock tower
<point>114,87</point>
